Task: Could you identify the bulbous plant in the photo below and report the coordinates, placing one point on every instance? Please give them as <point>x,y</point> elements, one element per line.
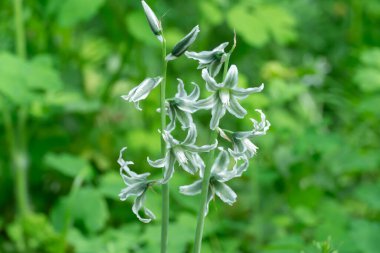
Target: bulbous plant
<point>217,172</point>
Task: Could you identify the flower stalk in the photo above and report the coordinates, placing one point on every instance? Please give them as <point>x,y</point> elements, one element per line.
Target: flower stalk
<point>214,175</point>
<point>165,186</point>
<point>207,175</point>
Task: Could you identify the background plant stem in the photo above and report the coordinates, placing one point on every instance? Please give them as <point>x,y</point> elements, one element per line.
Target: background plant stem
<point>207,174</point>
<point>165,187</point>
<point>19,154</point>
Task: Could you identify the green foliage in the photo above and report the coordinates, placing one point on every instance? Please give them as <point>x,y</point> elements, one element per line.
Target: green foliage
<point>315,175</point>
<point>258,24</point>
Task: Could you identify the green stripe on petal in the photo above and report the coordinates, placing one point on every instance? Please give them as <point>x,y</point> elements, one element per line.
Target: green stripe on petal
<point>191,189</point>
<point>243,93</point>
<point>231,79</point>
<point>225,193</point>
<point>217,113</point>
<point>235,108</point>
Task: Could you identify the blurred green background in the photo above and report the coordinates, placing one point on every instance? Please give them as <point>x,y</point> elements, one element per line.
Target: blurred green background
<point>316,175</point>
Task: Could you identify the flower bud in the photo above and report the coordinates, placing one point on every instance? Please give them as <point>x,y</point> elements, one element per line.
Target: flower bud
<point>184,44</point>
<point>153,21</point>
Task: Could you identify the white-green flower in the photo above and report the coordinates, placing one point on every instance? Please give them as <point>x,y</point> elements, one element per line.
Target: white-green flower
<point>243,147</point>
<point>142,91</point>
<point>185,153</point>
<point>212,60</point>
<point>220,174</point>
<point>184,44</point>
<point>225,97</point>
<point>182,106</point>
<point>137,185</point>
<point>153,21</point>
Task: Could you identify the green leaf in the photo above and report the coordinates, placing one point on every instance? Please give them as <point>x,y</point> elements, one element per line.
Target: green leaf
<point>68,164</point>
<point>25,81</point>
<point>72,12</point>
<point>369,193</point>
<point>257,24</point>
<point>87,207</point>
<point>365,234</point>
<point>368,74</point>
<point>211,12</point>
<point>110,185</point>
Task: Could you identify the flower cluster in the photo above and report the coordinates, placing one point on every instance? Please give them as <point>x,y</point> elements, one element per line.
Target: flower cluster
<point>231,162</point>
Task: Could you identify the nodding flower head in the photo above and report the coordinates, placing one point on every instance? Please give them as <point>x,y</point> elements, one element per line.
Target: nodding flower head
<point>212,60</point>
<point>225,97</point>
<point>185,153</point>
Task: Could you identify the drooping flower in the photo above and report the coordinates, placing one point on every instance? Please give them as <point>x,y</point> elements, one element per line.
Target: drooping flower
<point>220,174</point>
<point>225,97</point>
<point>212,60</point>
<point>137,185</point>
<point>142,91</point>
<point>182,106</point>
<point>184,44</point>
<point>185,153</point>
<point>243,147</point>
<point>153,21</point>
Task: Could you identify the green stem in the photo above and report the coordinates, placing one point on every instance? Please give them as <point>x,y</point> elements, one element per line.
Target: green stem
<point>78,181</point>
<point>19,25</point>
<point>207,175</point>
<point>19,154</point>
<point>202,210</point>
<point>165,187</point>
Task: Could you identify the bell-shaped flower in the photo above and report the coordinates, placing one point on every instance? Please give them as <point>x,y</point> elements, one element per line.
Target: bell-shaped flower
<point>154,23</point>
<point>137,185</point>
<point>185,153</point>
<point>225,97</point>
<point>142,91</point>
<point>182,106</point>
<point>212,60</point>
<point>220,174</point>
<point>184,44</point>
<point>243,147</point>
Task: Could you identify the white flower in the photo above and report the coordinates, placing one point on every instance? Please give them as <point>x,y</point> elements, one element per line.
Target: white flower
<point>185,153</point>
<point>220,174</point>
<point>142,91</point>
<point>137,185</point>
<point>212,60</point>
<point>181,106</point>
<point>225,97</point>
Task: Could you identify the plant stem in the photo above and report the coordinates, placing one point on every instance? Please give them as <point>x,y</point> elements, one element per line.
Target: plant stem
<point>19,25</point>
<point>165,187</point>
<point>18,152</point>
<point>207,174</point>
<point>202,210</point>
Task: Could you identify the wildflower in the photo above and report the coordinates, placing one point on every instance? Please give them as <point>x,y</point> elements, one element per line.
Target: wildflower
<point>220,174</point>
<point>184,44</point>
<point>225,96</point>
<point>182,106</point>
<point>243,148</point>
<point>142,91</point>
<point>153,21</point>
<point>212,60</point>
<point>185,153</point>
<point>137,185</point>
